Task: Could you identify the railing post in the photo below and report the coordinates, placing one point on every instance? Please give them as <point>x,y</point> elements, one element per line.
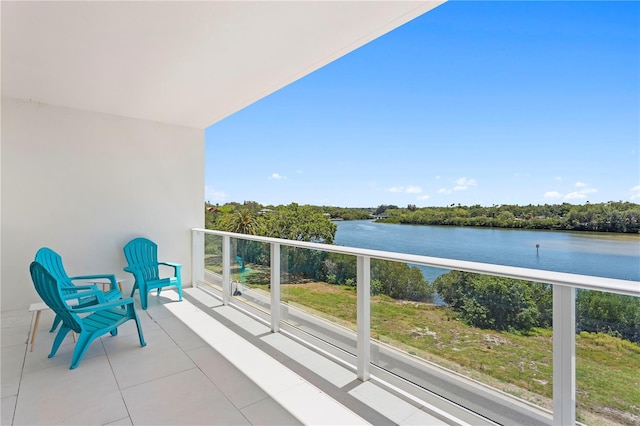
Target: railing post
<point>564,355</point>
<point>364,317</point>
<point>197,258</point>
<point>275,287</point>
<point>226,269</point>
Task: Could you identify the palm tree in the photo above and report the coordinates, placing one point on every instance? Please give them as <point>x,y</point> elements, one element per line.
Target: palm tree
<point>243,222</point>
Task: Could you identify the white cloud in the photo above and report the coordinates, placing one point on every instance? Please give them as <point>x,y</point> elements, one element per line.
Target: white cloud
<point>635,192</point>
<point>463,181</point>
<point>276,176</point>
<point>552,194</point>
<point>213,196</point>
<point>298,171</point>
<point>574,196</point>
<point>411,189</point>
<point>423,197</point>
<point>558,178</point>
<point>580,194</point>
<point>462,184</point>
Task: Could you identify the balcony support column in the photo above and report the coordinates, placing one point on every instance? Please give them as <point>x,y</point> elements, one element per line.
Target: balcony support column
<point>197,258</point>
<point>364,317</point>
<point>226,269</point>
<point>275,287</point>
<point>564,355</point>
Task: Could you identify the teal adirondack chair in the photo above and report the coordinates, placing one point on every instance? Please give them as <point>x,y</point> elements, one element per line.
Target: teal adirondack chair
<point>103,317</point>
<point>52,262</point>
<point>142,257</point>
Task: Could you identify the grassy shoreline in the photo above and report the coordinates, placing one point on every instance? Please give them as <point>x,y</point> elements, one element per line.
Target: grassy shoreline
<point>607,368</point>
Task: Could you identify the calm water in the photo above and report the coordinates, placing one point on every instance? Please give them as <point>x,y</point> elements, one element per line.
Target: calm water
<point>597,254</point>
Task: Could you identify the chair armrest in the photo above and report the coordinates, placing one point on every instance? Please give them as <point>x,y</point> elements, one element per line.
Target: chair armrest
<point>177,267</point>
<point>80,287</point>
<point>110,277</point>
<point>82,291</point>
<point>103,306</point>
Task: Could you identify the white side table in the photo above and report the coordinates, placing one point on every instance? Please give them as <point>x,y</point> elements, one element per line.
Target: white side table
<point>105,282</point>
<point>38,308</point>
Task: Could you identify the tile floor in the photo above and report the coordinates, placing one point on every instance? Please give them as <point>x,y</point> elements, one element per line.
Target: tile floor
<point>204,364</point>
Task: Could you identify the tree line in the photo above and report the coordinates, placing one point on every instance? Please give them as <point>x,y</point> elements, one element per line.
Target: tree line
<point>314,224</point>
<point>479,300</point>
<point>612,216</point>
<point>507,304</point>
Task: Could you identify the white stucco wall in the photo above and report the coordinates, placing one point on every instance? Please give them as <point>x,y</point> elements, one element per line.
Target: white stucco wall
<point>84,184</point>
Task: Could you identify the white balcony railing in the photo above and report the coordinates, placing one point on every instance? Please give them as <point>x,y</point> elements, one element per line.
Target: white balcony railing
<point>564,306</point>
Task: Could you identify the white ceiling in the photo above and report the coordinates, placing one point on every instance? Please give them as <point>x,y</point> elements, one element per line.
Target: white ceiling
<point>186,63</point>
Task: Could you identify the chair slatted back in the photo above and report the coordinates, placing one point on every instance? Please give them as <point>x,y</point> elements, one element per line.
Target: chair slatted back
<point>52,262</point>
<point>142,254</point>
<point>48,287</point>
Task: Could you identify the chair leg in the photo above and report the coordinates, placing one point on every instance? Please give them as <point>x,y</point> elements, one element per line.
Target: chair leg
<point>179,286</point>
<point>140,335</point>
<point>84,340</point>
<point>64,330</point>
<point>56,321</point>
<point>133,290</point>
<point>143,299</point>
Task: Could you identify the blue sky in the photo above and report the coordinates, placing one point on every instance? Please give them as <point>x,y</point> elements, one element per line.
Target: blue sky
<point>472,103</point>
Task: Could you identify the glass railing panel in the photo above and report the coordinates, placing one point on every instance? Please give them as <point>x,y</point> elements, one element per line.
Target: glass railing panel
<point>319,295</point>
<point>463,329</point>
<point>250,272</point>
<point>213,261</point>
<point>607,358</point>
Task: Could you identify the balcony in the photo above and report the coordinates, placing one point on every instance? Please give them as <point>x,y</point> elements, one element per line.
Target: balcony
<point>204,363</point>
<point>251,356</point>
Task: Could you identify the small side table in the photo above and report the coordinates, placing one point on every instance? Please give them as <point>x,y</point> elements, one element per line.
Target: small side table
<point>38,308</point>
<point>105,282</point>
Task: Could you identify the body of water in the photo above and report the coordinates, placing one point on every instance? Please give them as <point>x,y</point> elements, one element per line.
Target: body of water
<point>598,254</point>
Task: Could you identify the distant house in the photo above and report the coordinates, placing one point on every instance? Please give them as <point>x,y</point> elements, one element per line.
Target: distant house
<point>263,211</point>
<point>379,216</point>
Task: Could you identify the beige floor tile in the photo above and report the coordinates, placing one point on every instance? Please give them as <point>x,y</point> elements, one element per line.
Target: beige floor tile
<point>237,387</point>
<point>133,364</point>
<point>11,369</point>
<point>7,409</point>
<point>269,412</point>
<point>58,396</point>
<point>185,398</point>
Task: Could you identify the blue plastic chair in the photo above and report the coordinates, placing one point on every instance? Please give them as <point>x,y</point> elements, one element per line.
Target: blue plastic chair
<point>52,262</point>
<point>103,317</point>
<point>142,257</point>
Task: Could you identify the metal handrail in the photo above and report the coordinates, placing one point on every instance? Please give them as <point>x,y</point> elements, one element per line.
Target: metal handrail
<point>588,282</point>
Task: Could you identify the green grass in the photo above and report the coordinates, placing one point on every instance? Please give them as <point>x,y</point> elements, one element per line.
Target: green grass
<point>607,368</point>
